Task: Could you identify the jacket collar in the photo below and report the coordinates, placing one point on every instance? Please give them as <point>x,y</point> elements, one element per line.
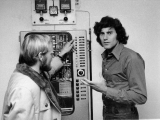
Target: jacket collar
<point>35,76</point>
<point>42,81</point>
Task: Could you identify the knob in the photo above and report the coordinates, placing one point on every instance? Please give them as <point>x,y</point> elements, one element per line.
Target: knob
<point>41,19</point>
<point>80,72</point>
<point>65,18</point>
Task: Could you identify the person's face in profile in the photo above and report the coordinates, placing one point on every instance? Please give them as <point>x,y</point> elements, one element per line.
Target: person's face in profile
<point>46,63</point>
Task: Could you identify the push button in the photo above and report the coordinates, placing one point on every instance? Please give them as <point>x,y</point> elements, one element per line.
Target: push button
<point>77,95</point>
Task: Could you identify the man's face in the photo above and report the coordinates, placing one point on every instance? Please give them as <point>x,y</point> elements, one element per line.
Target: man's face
<point>46,62</point>
<point>108,37</point>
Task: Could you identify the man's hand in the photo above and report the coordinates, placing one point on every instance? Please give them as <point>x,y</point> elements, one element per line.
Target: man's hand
<point>98,86</point>
<point>69,45</point>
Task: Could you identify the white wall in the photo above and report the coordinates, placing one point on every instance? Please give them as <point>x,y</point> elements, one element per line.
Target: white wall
<point>139,17</point>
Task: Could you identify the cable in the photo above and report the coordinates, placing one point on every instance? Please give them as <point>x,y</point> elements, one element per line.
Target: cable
<point>86,12</point>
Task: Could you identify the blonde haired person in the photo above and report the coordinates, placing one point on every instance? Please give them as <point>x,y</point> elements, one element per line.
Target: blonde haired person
<point>29,95</point>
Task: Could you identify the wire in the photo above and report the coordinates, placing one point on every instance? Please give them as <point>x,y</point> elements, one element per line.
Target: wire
<point>86,12</point>
<point>53,2</point>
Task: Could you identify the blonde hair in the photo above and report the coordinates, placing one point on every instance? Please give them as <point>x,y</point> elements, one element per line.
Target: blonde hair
<point>32,45</point>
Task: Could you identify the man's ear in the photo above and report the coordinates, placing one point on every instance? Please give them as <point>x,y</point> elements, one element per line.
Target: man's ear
<point>40,56</point>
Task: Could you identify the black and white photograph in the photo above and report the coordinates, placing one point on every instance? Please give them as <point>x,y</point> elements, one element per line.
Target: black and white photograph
<point>80,59</point>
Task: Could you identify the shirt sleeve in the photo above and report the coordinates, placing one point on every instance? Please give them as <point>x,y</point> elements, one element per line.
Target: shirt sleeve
<point>137,85</point>
<point>20,105</point>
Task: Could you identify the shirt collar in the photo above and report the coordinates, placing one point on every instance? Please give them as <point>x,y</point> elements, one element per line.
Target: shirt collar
<point>116,51</point>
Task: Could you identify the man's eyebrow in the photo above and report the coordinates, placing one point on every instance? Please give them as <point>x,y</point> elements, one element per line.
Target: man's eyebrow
<point>111,28</point>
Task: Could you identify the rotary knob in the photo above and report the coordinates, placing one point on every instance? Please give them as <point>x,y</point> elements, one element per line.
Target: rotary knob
<point>81,72</point>
<point>41,19</point>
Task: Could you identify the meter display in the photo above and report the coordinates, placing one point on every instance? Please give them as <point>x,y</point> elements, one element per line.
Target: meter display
<point>65,5</point>
<point>53,10</point>
<point>41,6</point>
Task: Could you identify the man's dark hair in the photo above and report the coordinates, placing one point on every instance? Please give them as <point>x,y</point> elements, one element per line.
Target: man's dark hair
<point>112,23</point>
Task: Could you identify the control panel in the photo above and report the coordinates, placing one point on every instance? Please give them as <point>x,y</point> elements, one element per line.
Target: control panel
<point>53,12</point>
